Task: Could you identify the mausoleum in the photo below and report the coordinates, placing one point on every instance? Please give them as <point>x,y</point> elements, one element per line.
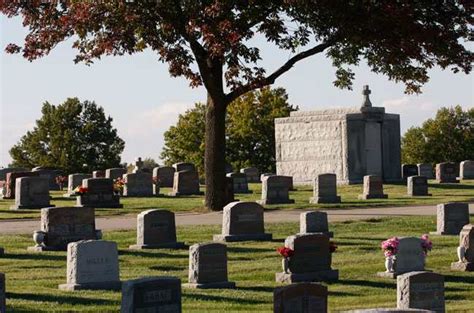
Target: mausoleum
<point>349,142</point>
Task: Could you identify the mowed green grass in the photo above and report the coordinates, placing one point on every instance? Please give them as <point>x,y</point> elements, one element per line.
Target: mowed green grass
<point>33,278</point>
<point>397,197</point>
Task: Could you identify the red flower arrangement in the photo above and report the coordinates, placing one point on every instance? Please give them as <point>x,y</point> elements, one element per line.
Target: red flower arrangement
<point>80,190</point>
<point>285,252</point>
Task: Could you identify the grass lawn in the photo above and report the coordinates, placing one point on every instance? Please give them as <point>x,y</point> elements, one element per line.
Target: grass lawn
<point>32,278</point>
<point>397,197</point>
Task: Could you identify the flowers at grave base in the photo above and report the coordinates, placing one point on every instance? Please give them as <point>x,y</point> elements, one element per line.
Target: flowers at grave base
<point>390,246</point>
<point>156,180</point>
<point>332,247</point>
<point>426,243</point>
<point>80,190</point>
<point>285,252</point>
<point>60,181</point>
<point>118,185</point>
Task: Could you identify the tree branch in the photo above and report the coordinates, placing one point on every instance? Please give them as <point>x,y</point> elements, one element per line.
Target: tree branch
<point>280,71</point>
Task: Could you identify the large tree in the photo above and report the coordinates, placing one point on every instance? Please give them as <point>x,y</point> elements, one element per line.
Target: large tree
<point>76,137</point>
<point>250,131</point>
<point>447,137</point>
<point>211,42</point>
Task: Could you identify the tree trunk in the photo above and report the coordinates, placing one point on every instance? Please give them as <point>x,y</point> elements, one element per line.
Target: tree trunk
<point>214,162</point>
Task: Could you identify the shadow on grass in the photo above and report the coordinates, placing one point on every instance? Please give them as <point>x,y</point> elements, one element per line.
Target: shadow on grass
<point>455,186</point>
<point>207,297</point>
<point>167,268</point>
<point>247,250</point>
<point>256,288</point>
<point>459,279</point>
<point>150,254</point>
<point>367,283</point>
<point>59,299</point>
<point>35,256</point>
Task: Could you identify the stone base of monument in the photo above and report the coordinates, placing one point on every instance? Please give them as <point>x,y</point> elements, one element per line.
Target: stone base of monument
<point>107,285</point>
<point>249,237</point>
<point>218,285</point>
<point>330,234</point>
<point>367,196</point>
<point>168,245</point>
<point>111,201</point>
<point>462,266</point>
<point>335,199</point>
<point>44,248</point>
<point>30,207</point>
<point>69,195</point>
<point>328,275</point>
<point>177,194</point>
<point>392,275</point>
<point>275,201</point>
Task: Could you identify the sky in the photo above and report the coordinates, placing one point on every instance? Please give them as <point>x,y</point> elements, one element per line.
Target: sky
<point>144,101</point>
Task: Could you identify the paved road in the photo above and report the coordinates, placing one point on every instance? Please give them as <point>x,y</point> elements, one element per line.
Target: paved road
<point>215,218</point>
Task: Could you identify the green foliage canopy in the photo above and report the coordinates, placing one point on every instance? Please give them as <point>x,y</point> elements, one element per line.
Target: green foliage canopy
<point>73,136</point>
<point>447,137</point>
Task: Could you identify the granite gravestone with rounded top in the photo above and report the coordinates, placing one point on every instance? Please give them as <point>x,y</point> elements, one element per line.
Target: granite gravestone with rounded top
<point>425,169</point>
<point>409,170</point>
<point>417,186</point>
<point>156,229</point>
<point>409,258</point>
<point>301,298</point>
<point>208,266</point>
<point>373,188</point>
<point>315,222</point>
<point>63,225</point>
<point>50,173</point>
<point>115,173</point>
<point>183,166</point>
<point>100,194</point>
<point>164,175</point>
<point>466,170</point>
<point>243,221</point>
<point>465,250</point>
<point>311,260</point>
<point>74,181</point>
<point>325,189</point>
<point>138,184</point>
<point>185,183</point>
<point>31,193</point>
<point>240,184</point>
<point>92,264</point>
<point>421,290</point>
<point>252,173</point>
<point>10,184</point>
<point>151,294</point>
<point>446,172</point>
<point>451,218</point>
<point>275,190</point>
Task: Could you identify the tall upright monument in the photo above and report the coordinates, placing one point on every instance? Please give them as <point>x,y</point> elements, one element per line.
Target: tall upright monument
<point>349,142</point>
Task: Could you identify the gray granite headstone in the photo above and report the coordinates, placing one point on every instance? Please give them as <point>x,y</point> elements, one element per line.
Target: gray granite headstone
<point>186,183</point>
<point>446,172</point>
<point>311,260</point>
<point>451,218</point>
<point>31,193</point>
<point>151,294</point>
<point>183,166</point>
<point>63,225</point>
<point>92,264</point>
<point>300,298</point>
<point>73,181</point>
<point>325,189</point>
<point>242,221</point>
<point>466,170</point>
<point>275,190</point>
<point>49,173</point>
<point>138,184</point>
<point>3,291</point>
<point>115,173</point>
<point>315,222</point>
<point>156,229</point>
<point>417,186</point>
<point>164,175</point>
<point>373,188</point>
<point>410,257</point>
<point>239,182</point>
<point>100,194</point>
<point>98,174</point>
<point>252,173</point>
<point>409,170</point>
<point>421,290</point>
<point>465,250</point>
<point>425,169</point>
<point>208,266</point>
